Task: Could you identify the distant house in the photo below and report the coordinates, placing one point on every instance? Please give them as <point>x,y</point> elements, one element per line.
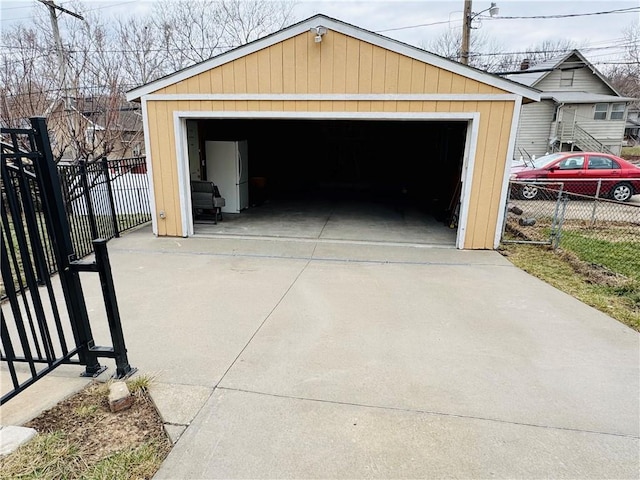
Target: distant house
<point>632,128</point>
<point>579,108</point>
<point>95,127</point>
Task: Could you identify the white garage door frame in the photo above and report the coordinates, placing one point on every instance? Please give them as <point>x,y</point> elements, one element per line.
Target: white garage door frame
<point>471,141</point>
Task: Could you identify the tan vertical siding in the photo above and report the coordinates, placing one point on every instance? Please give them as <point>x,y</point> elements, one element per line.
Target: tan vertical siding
<point>240,75</point>
<point>289,65</point>
<point>302,64</point>
<point>365,68</point>
<point>275,68</point>
<point>228,78</point>
<point>251,66</point>
<point>338,64</point>
<point>352,69</point>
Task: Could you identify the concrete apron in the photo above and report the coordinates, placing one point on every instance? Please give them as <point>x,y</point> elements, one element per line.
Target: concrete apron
<point>299,359</point>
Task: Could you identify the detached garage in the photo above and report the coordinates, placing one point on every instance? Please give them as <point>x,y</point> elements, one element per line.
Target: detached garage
<point>325,115</point>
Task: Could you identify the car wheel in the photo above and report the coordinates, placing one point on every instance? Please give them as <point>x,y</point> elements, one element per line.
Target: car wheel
<point>622,192</point>
<point>529,192</point>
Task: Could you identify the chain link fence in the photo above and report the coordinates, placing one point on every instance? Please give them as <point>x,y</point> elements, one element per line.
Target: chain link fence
<point>581,216</point>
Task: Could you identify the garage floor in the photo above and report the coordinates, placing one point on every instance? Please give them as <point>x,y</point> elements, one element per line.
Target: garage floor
<point>335,220</point>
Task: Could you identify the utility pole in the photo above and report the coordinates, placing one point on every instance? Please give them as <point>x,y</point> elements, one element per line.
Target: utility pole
<point>466,33</point>
<point>468,18</point>
<point>63,79</point>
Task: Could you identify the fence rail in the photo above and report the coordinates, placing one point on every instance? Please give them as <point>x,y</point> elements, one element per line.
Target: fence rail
<point>104,199</point>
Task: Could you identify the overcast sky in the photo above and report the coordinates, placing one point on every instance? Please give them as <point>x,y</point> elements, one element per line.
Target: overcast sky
<point>599,35</point>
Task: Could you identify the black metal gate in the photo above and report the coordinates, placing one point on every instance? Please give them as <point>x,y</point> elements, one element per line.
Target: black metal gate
<point>44,318</point>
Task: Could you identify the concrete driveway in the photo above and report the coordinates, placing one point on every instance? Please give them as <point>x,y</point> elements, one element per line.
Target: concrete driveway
<point>310,359</point>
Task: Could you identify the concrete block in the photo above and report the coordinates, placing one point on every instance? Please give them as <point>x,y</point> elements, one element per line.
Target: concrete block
<point>12,437</point>
<point>119,397</point>
<point>179,404</point>
<point>174,431</point>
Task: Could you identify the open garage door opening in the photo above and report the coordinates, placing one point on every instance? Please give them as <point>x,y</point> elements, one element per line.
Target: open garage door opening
<point>359,180</point>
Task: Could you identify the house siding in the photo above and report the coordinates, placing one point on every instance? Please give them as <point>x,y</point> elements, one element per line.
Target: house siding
<point>584,80</point>
<point>608,132</point>
<point>534,129</point>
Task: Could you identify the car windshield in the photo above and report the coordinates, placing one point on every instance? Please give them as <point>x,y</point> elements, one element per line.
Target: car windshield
<point>546,160</point>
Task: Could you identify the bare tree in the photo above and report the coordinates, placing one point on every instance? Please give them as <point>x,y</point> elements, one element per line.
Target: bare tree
<point>625,76</point>
<point>245,21</point>
<point>486,54</point>
<point>105,60</point>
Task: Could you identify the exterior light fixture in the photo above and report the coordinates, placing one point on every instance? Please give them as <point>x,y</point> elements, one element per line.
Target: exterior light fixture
<point>319,32</point>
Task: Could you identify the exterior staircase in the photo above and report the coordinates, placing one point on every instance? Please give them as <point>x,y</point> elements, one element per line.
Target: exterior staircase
<point>579,137</point>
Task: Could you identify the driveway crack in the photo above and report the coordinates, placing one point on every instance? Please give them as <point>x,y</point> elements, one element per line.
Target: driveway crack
<point>431,412</point>
<point>267,317</point>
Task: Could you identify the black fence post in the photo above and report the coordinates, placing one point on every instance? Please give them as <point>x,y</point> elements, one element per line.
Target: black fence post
<point>58,225</point>
<point>123,369</point>
<point>112,203</point>
<point>93,226</point>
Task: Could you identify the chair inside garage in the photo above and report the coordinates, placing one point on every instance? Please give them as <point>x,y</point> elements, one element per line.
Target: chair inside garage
<point>206,200</point>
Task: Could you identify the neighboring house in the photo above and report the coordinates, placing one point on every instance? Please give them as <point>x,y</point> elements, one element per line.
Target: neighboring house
<point>325,103</point>
<point>100,126</point>
<point>579,109</point>
<point>632,128</point>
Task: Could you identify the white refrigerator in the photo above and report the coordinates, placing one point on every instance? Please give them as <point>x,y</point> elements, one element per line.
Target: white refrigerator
<point>228,168</point>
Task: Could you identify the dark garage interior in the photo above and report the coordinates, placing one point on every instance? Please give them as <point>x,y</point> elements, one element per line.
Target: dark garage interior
<point>403,165</point>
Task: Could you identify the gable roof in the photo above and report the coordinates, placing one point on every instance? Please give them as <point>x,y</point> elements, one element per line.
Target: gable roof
<point>540,71</point>
<point>127,116</point>
<point>346,29</point>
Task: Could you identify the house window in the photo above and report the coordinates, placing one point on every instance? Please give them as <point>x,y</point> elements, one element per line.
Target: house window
<point>566,78</point>
<point>601,111</point>
<point>617,111</point>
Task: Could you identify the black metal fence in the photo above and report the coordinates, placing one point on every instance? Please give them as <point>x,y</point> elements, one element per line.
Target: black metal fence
<point>104,198</point>
<point>44,321</point>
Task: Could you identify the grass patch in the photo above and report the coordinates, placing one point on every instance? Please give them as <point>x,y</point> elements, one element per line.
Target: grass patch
<point>80,438</point>
<point>139,462</point>
<point>609,291</point>
<point>139,385</point>
<point>631,150</point>
<point>619,257</point>
<point>47,456</point>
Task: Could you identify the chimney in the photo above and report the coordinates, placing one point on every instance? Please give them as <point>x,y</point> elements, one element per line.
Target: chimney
<point>525,64</point>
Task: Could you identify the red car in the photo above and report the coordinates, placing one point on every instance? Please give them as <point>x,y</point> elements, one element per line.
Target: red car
<point>579,173</point>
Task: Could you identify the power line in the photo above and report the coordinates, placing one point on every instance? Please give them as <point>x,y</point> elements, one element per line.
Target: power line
<point>568,15</point>
<point>497,17</point>
<point>88,10</point>
<point>620,47</point>
<point>416,26</point>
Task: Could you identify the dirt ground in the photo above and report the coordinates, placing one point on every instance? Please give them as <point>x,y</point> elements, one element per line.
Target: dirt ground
<point>88,424</point>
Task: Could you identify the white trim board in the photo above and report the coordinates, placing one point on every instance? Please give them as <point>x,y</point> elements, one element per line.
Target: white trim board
<point>472,118</point>
<point>346,29</point>
<point>327,115</point>
<point>284,97</point>
<point>147,151</point>
<point>515,120</point>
